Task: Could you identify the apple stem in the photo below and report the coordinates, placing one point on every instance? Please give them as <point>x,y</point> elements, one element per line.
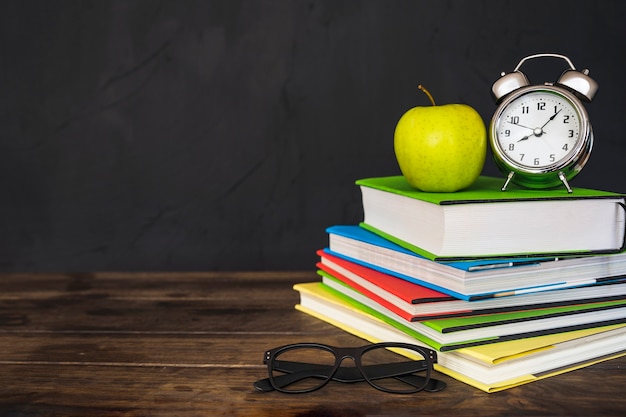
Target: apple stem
<point>430,96</point>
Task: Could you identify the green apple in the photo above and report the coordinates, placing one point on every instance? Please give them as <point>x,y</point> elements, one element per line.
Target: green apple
<point>440,148</point>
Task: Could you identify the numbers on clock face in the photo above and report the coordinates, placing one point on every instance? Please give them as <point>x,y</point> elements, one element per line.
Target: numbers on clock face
<point>538,129</point>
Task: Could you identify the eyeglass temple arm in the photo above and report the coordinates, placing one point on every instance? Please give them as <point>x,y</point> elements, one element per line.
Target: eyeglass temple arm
<point>352,374</point>
<point>417,381</point>
<point>287,379</point>
<point>297,371</point>
<point>433,384</point>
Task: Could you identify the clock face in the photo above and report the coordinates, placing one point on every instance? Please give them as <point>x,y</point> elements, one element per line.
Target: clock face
<point>540,129</point>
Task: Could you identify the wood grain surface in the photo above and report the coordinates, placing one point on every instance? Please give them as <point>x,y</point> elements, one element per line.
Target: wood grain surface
<point>191,344</point>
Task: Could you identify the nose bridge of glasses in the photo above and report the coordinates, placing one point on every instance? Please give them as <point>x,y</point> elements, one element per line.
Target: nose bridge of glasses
<point>353,353</point>
<point>341,358</point>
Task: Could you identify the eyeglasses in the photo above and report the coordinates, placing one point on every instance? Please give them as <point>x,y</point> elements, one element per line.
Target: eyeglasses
<point>400,368</point>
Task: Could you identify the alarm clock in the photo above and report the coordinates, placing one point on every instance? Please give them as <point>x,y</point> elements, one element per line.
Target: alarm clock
<point>540,134</point>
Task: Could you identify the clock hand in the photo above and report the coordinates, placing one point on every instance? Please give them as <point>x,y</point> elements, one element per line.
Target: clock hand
<point>551,118</point>
<point>536,132</point>
<point>525,127</point>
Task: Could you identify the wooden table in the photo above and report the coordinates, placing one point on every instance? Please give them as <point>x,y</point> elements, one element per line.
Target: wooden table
<point>191,344</point>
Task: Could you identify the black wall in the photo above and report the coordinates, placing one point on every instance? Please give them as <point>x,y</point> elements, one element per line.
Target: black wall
<point>201,135</point>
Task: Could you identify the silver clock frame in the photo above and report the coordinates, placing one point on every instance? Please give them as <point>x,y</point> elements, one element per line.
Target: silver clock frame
<point>575,86</point>
<point>546,176</point>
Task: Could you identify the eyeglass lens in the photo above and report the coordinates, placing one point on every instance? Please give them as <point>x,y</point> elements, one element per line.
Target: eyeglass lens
<point>306,368</point>
<point>390,371</point>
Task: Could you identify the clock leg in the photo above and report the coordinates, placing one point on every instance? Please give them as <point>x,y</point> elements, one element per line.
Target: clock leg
<point>508,180</point>
<point>564,180</point>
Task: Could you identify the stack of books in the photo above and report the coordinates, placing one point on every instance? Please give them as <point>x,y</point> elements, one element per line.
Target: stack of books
<point>508,286</point>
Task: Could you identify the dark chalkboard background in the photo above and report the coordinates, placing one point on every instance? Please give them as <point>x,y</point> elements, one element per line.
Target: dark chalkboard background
<point>201,135</point>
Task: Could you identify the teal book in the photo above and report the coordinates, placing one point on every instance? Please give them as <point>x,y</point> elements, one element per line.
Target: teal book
<point>476,279</point>
<point>416,302</point>
<point>483,221</point>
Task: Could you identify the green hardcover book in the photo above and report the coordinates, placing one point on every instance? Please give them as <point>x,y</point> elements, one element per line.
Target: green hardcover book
<point>451,334</point>
<point>485,222</point>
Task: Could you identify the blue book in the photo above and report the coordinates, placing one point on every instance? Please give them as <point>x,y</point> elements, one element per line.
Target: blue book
<point>478,278</point>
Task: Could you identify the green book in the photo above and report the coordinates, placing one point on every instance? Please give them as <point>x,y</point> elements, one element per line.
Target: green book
<point>456,333</point>
<point>483,221</point>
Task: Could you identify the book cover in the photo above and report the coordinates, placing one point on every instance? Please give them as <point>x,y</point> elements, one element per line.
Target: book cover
<point>445,335</point>
<point>484,190</point>
<point>475,279</point>
<point>415,302</point>
<point>483,221</point>
<point>406,291</point>
<point>330,278</point>
<point>489,368</point>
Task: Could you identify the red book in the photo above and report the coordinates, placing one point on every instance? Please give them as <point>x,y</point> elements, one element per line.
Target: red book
<point>414,302</point>
<point>398,295</point>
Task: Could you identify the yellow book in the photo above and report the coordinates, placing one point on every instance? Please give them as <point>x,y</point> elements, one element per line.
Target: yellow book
<point>489,368</point>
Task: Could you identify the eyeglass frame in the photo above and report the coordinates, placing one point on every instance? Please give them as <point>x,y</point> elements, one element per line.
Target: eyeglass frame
<point>355,353</point>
